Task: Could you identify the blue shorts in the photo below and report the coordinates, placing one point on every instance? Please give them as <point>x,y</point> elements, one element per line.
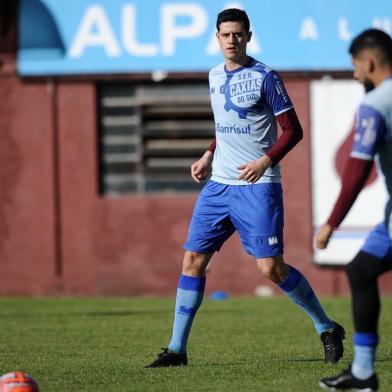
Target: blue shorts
<point>379,243</point>
<point>255,211</point>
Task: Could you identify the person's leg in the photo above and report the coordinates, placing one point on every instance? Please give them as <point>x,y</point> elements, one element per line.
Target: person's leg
<point>209,229</point>
<point>190,294</point>
<point>257,214</point>
<point>297,288</point>
<point>363,273</point>
<point>374,259</point>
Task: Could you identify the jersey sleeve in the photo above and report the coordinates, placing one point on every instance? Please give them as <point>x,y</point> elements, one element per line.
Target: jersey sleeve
<point>292,133</point>
<point>354,178</point>
<point>370,131</point>
<point>274,92</point>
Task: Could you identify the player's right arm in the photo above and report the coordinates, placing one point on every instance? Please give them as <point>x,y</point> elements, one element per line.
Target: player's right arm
<point>355,174</point>
<point>201,169</point>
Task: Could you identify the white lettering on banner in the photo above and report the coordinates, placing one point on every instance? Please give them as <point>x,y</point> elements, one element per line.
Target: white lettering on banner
<point>343,30</point>
<point>94,30</point>
<point>177,21</point>
<point>170,32</point>
<point>308,30</point>
<point>383,24</point>
<point>129,35</point>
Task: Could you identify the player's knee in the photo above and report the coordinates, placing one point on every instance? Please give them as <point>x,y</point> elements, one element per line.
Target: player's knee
<point>273,268</point>
<point>363,268</point>
<point>195,264</point>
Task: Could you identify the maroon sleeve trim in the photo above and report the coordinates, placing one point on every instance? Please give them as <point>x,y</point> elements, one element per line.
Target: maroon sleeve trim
<point>291,135</point>
<point>212,146</point>
<point>354,178</point>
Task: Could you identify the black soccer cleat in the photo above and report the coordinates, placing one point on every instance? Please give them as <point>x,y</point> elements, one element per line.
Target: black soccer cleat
<point>346,381</point>
<point>333,343</point>
<point>169,358</point>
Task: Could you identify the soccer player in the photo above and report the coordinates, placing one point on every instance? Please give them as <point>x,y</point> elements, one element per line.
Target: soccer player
<point>371,53</point>
<point>244,193</point>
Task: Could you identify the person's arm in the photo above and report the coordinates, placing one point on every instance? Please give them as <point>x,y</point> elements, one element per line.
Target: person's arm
<point>370,132</point>
<point>201,169</point>
<point>354,178</point>
<point>291,134</point>
<point>355,174</point>
<point>212,146</point>
<point>275,95</point>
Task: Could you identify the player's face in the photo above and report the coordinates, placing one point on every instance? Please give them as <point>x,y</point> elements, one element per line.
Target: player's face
<point>233,40</point>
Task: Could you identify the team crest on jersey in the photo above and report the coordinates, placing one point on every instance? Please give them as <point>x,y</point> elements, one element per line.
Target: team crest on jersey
<point>241,93</point>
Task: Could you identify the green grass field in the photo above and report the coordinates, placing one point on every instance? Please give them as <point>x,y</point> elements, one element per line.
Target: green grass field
<point>240,344</point>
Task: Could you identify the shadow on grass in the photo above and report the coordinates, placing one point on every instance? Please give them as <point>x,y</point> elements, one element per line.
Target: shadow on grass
<point>116,313</point>
<point>287,360</point>
<point>161,311</point>
<point>342,361</point>
<point>247,363</point>
<point>109,313</point>
<point>387,359</point>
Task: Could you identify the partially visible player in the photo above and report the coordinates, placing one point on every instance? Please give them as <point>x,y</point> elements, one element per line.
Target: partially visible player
<point>245,192</point>
<point>371,53</point>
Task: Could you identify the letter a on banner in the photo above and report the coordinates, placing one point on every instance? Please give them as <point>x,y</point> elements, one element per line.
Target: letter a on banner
<point>308,30</point>
<point>94,30</point>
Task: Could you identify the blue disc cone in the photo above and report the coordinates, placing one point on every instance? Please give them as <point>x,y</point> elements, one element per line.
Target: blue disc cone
<point>219,295</point>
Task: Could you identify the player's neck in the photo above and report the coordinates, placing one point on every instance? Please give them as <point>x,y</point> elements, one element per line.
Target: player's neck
<point>232,65</point>
<point>383,74</point>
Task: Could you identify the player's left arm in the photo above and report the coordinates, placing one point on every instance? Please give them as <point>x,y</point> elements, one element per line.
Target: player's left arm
<point>292,133</point>
<point>370,132</point>
<point>276,97</point>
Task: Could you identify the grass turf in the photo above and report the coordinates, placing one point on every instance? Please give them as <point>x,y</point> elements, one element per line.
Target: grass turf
<point>240,344</point>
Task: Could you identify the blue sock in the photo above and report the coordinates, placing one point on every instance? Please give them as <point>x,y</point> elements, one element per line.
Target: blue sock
<point>364,354</point>
<point>189,298</point>
<point>298,290</point>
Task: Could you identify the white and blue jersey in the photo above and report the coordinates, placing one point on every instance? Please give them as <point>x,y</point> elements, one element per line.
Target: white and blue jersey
<point>373,129</point>
<point>245,102</point>
<point>373,139</point>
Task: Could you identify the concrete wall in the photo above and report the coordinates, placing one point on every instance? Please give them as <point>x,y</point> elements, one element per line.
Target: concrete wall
<point>27,216</point>
<point>58,235</point>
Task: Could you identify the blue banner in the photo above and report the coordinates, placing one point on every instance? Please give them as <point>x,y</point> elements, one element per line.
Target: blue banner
<point>59,37</point>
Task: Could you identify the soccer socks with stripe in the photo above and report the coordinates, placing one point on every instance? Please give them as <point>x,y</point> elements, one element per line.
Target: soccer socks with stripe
<point>298,289</point>
<point>364,355</point>
<point>190,294</point>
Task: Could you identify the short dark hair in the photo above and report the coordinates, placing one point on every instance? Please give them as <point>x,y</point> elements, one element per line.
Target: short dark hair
<point>233,15</point>
<point>373,39</point>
